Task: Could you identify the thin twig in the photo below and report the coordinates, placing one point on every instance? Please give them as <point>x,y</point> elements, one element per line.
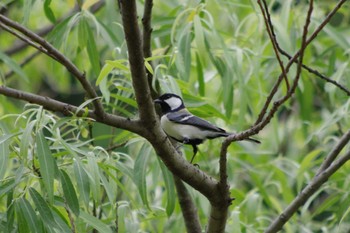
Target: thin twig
<point>20,45</point>
<point>257,125</point>
<point>283,52</point>
<point>51,51</point>
<point>274,42</point>
<point>69,110</point>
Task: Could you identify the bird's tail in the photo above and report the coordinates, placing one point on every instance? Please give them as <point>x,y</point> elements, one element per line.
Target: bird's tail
<point>252,140</point>
<point>247,139</point>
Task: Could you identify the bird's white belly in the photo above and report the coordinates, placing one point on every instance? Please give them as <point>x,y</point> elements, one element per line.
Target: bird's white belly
<point>180,131</point>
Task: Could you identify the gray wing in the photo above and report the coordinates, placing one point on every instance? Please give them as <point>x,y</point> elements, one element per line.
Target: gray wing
<point>187,118</point>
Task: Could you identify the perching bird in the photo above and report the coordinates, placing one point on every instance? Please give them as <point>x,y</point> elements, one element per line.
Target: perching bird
<point>182,126</point>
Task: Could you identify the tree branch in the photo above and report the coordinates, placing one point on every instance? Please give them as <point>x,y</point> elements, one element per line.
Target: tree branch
<point>287,67</point>
<point>51,51</point>
<point>146,39</point>
<point>274,42</point>
<point>335,152</point>
<point>188,208</point>
<point>306,193</point>
<point>148,118</point>
<point>136,59</point>
<point>69,110</point>
<point>283,52</point>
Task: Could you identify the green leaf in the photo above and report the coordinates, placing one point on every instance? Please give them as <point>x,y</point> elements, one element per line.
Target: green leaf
<point>6,137</point>
<point>61,222</point>
<point>106,69</point>
<point>82,182</point>
<point>94,176</point>
<point>149,67</point>
<point>199,37</point>
<point>14,66</point>
<point>140,172</point>
<point>110,192</point>
<point>183,58</point>
<point>29,214</point>
<point>93,53</point>
<point>48,11</point>
<point>118,64</point>
<point>25,140</point>
<point>95,222</point>
<point>27,10</point>
<point>47,163</point>
<point>4,158</point>
<point>43,208</point>
<point>69,193</point>
<point>83,28</point>
<point>21,220</point>
<point>200,76</point>
<point>169,185</point>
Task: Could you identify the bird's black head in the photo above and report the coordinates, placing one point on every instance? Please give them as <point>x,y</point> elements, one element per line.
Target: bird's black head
<point>170,102</point>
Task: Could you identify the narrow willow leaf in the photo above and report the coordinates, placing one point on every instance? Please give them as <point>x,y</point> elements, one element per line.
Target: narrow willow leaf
<point>82,31</point>
<point>6,137</point>
<point>6,187</point>
<point>93,53</point>
<point>4,155</point>
<point>149,67</point>
<point>47,163</point>
<point>29,214</point>
<point>95,222</point>
<point>118,64</point>
<point>21,220</point>
<point>169,185</point>
<point>43,208</point>
<point>140,174</point>
<point>183,59</point>
<point>199,37</point>
<point>110,192</point>
<point>57,35</point>
<point>25,140</point>
<point>13,66</point>
<point>61,222</point>
<point>10,213</point>
<point>48,11</point>
<point>106,69</point>
<point>200,76</point>
<point>94,176</point>
<point>82,182</point>
<point>69,193</point>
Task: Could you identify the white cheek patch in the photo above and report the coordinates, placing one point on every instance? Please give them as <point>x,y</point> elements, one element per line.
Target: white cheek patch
<point>173,102</point>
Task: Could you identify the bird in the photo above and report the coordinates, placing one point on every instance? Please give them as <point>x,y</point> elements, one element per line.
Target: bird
<point>182,126</point>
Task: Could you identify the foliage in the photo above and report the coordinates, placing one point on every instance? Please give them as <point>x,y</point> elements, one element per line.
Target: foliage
<point>70,173</point>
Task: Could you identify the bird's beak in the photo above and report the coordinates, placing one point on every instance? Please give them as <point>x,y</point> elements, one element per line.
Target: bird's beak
<point>157,101</point>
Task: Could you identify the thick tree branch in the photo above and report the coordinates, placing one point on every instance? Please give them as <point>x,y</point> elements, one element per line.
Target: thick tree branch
<point>306,193</point>
<point>69,110</point>
<point>188,208</point>
<point>136,59</point>
<point>148,118</point>
<point>51,51</point>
